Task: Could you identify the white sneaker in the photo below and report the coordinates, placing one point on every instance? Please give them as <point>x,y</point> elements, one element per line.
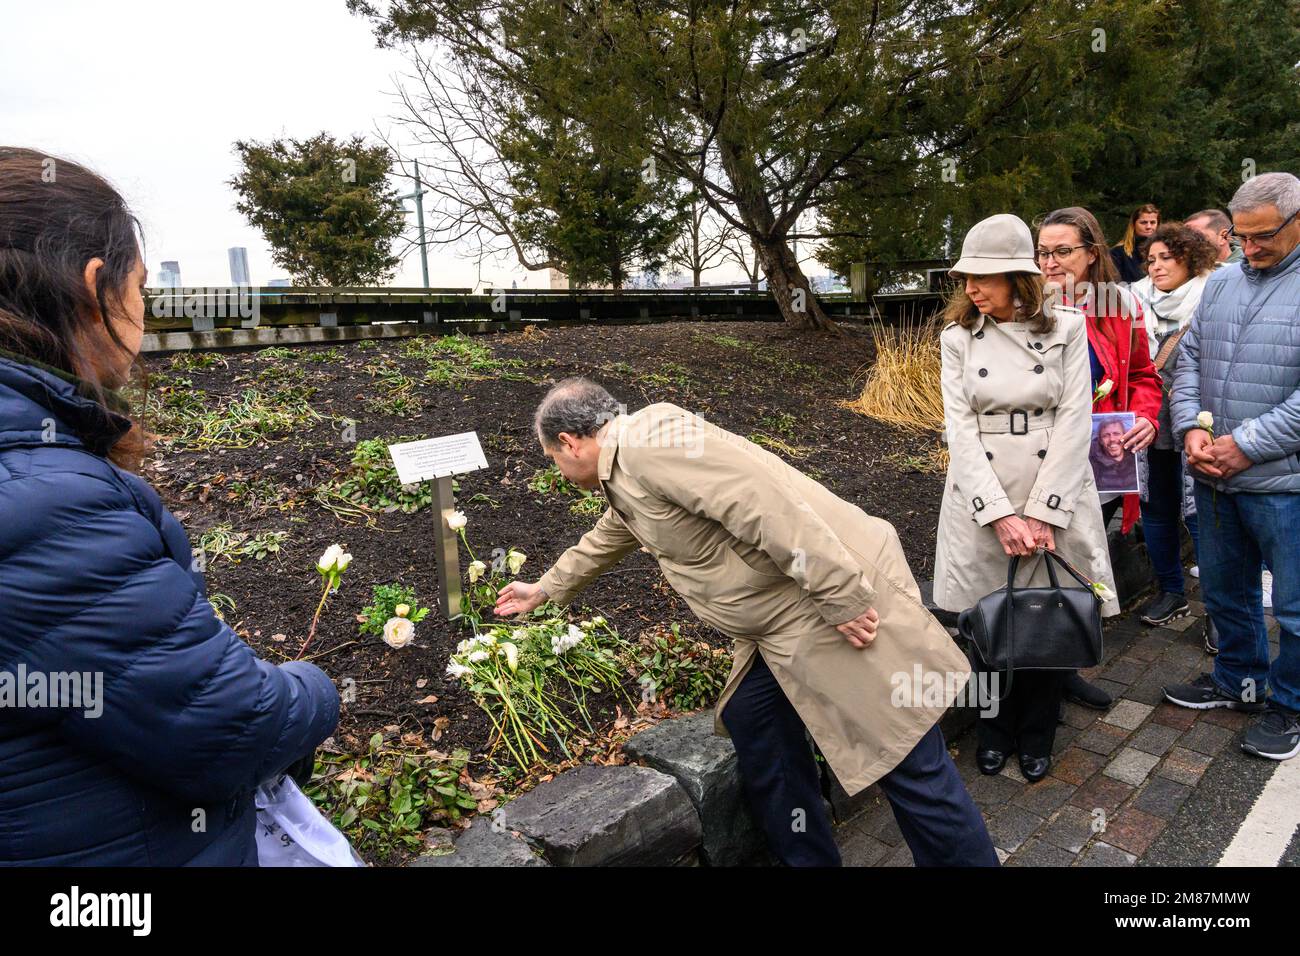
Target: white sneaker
<point>1194,570</point>
<point>1266,582</point>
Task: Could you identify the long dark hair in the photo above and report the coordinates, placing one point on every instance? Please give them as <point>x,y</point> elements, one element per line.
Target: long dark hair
<point>1085,223</point>
<point>1107,298</point>
<point>55,216</point>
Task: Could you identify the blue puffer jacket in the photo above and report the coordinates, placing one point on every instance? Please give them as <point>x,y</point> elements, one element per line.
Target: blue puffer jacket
<point>1240,361</point>
<point>95,578</point>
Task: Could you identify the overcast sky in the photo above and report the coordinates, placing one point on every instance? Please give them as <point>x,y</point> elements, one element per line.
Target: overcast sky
<point>153,93</point>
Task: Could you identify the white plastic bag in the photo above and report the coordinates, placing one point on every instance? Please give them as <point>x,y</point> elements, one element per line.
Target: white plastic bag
<point>292,832</point>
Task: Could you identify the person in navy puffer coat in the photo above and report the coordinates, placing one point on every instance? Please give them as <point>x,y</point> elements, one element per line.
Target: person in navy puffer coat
<point>96,576</point>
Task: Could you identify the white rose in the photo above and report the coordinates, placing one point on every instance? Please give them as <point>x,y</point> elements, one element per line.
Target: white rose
<point>458,670</point>
<point>398,632</point>
<point>487,640</point>
<point>512,655</point>
<point>476,569</point>
<point>329,559</point>
<point>1103,592</point>
<point>344,560</point>
<point>477,656</point>
<point>1205,420</point>
<point>515,560</point>
<point>575,635</point>
<point>597,622</point>
<point>457,520</point>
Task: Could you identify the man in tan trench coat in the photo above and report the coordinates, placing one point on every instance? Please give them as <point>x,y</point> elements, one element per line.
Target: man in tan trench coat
<point>804,582</point>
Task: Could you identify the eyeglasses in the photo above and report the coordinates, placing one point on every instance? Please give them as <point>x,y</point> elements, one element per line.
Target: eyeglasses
<point>1261,237</point>
<point>1059,253</point>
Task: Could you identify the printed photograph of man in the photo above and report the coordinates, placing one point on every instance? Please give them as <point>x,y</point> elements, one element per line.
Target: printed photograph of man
<point>1114,468</point>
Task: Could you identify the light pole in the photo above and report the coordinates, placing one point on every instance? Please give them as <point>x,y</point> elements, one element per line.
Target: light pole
<point>418,196</point>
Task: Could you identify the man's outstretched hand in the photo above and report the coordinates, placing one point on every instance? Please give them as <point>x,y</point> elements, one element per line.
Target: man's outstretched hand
<point>519,597</point>
<point>861,631</point>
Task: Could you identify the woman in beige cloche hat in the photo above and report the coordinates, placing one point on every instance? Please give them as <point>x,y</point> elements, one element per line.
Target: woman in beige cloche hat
<point>1018,422</point>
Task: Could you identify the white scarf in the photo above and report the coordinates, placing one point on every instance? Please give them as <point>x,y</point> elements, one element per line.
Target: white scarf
<point>1168,311</point>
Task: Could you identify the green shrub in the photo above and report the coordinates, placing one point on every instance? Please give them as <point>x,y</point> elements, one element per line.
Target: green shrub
<point>372,481</point>
<point>685,674</point>
<point>383,607</point>
<point>384,799</point>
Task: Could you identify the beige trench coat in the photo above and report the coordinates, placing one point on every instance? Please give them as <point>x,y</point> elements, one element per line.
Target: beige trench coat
<point>772,559</point>
<point>1018,416</point>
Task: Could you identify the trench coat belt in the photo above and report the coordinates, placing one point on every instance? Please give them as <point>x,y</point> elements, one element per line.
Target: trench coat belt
<point>1019,422</point>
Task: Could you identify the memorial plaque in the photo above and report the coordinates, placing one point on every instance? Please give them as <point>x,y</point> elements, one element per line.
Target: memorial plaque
<point>437,457</point>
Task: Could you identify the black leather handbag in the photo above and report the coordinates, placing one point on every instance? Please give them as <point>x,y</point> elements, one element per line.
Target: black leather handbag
<point>1028,629</point>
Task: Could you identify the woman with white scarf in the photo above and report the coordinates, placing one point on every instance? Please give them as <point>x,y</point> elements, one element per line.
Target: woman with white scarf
<point>1178,261</point>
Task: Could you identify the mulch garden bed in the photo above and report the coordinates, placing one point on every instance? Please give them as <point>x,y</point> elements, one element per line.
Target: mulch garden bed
<point>756,379</point>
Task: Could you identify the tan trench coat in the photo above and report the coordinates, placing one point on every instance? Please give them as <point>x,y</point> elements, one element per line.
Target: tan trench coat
<point>1018,416</point>
<point>772,559</point>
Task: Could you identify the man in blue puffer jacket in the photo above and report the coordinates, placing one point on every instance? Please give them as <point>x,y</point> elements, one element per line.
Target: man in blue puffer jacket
<point>1236,401</point>
<point>96,578</point>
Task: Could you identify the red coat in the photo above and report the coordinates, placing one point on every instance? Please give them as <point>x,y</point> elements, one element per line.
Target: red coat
<point>1126,358</point>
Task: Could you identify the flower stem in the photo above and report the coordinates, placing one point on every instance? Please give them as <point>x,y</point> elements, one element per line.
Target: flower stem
<point>311,634</point>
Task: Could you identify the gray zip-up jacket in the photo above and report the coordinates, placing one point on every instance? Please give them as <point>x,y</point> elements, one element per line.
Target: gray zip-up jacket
<point>1240,361</point>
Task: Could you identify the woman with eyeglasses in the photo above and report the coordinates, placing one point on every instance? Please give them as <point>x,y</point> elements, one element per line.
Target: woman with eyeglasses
<point>1016,415</point>
<point>1179,260</point>
<point>1072,254</point>
<point>1129,261</point>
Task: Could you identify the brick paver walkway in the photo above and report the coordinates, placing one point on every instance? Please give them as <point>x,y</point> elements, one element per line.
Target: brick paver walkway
<point>1122,783</point>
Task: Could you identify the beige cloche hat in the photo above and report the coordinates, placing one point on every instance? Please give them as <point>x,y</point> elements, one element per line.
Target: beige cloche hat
<point>1000,243</point>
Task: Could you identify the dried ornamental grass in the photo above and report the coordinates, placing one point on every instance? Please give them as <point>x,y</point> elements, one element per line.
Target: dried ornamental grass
<point>903,387</point>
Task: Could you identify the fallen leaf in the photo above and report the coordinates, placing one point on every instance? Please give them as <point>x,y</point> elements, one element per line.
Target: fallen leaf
<point>279,637</point>
<point>440,724</point>
<point>421,682</point>
<point>431,699</point>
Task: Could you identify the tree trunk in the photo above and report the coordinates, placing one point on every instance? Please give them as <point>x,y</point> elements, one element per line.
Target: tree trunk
<point>788,285</point>
<point>785,280</point>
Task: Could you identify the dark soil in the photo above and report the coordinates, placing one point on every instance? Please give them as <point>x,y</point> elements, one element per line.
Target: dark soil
<point>747,377</point>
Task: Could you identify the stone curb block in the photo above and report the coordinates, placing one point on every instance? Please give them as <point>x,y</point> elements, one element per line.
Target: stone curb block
<point>704,765</point>
<point>608,816</point>
<point>482,845</point>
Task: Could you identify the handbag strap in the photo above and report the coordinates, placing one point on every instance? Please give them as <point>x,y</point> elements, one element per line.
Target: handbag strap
<point>1074,573</point>
<point>1167,348</point>
<point>1012,567</point>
